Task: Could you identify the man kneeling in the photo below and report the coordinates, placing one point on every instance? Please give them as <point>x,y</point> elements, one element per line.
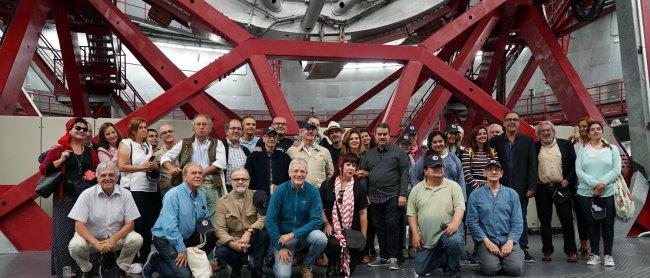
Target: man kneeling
<point>104,217</point>
<point>494,219</point>
<point>435,213</point>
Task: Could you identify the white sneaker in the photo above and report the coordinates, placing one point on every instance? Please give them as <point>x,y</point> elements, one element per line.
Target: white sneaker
<point>609,261</point>
<point>594,259</point>
<point>135,268</point>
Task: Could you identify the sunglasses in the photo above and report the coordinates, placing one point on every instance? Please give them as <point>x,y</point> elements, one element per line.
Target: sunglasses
<point>79,128</point>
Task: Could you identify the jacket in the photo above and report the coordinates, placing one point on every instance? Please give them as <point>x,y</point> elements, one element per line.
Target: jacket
<point>231,223</point>
<point>568,161</point>
<point>524,177</point>
<point>257,165</point>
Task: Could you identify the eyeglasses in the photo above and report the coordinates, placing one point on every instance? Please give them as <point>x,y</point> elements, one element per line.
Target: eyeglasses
<point>492,169</point>
<point>234,128</point>
<point>512,120</point>
<point>167,132</point>
<point>280,123</point>
<point>239,179</point>
<point>340,198</point>
<point>78,128</point>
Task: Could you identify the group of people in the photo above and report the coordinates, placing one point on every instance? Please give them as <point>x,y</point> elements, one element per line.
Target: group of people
<point>293,201</point>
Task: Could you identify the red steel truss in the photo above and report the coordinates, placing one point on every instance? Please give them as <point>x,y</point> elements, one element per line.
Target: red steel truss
<point>444,56</point>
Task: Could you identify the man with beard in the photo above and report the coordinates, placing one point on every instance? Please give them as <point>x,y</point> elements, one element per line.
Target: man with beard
<point>239,227</point>
<point>335,134</point>
<point>517,157</point>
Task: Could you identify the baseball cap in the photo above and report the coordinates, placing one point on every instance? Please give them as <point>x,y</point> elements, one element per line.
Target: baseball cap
<point>411,129</point>
<point>403,139</point>
<point>452,128</point>
<point>307,124</point>
<point>261,201</point>
<point>493,162</point>
<point>270,130</point>
<point>432,161</point>
<point>203,225</point>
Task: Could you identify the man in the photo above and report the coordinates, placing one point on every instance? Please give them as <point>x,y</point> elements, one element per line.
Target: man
<point>249,140</point>
<point>335,134</point>
<point>207,152</point>
<point>279,124</point>
<point>494,219</point>
<point>517,156</point>
<point>434,203</point>
<point>236,155</point>
<point>168,136</point>
<point>292,226</point>
<point>104,217</point>
<point>269,167</point>
<point>557,183</point>
<point>184,207</point>
<point>152,138</point>
<point>319,161</point>
<point>494,130</point>
<point>240,228</point>
<point>388,170</point>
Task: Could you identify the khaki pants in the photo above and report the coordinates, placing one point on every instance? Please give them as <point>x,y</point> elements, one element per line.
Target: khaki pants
<point>212,195</point>
<point>80,250</point>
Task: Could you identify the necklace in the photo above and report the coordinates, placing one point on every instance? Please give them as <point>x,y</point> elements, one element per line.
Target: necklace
<point>79,160</point>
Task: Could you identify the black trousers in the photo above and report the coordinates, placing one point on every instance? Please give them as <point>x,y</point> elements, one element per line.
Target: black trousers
<point>386,217</point>
<point>370,239</point>
<point>235,259</point>
<point>581,219</point>
<point>523,240</point>
<point>333,252</point>
<point>595,226</point>
<point>544,203</point>
<point>149,206</point>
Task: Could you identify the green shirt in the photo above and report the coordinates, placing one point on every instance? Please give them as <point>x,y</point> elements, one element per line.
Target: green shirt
<point>433,207</point>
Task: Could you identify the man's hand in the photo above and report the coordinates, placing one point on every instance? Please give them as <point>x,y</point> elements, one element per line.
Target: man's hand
<point>257,149</point>
<point>416,240</point>
<point>564,183</point>
<point>506,249</point>
<point>297,143</point>
<point>451,229</point>
<point>328,229</point>
<point>99,246</point>
<point>285,255</point>
<point>245,238</point>
<point>361,173</point>
<point>109,243</point>
<point>284,238</point>
<point>530,194</point>
<point>175,170</point>
<point>181,259</point>
<point>401,201</point>
<point>64,155</point>
<point>493,248</point>
<point>273,187</point>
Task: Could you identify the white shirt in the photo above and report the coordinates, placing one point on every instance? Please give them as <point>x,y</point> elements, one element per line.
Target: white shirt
<point>199,154</point>
<point>140,154</point>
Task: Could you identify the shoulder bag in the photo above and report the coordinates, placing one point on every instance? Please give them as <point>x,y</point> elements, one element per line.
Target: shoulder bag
<point>353,239</point>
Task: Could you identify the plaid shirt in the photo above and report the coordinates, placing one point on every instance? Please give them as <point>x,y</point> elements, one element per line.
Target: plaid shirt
<point>236,160</point>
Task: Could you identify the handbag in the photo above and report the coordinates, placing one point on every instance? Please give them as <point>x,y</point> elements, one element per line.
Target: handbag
<point>353,239</point>
<point>198,261</point>
<point>623,200</point>
<point>48,184</point>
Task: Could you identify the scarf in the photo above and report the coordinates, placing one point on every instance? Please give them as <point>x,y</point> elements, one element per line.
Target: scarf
<point>347,213</point>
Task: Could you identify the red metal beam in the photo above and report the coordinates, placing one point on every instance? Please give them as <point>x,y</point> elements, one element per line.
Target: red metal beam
<point>566,30</point>
<point>28,105</point>
<point>17,49</point>
<point>405,31</point>
<point>366,96</point>
<point>438,99</point>
<point>313,50</point>
<point>58,88</point>
<point>399,100</point>
<point>161,68</point>
<point>560,74</point>
<point>70,52</point>
<point>273,96</point>
<point>453,29</point>
<point>522,82</point>
<point>220,24</point>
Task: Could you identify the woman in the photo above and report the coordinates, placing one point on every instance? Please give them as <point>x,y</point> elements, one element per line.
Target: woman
<point>344,208</point>
<point>109,140</point>
<point>352,143</point>
<point>475,157</point>
<point>580,140</point>
<point>366,139</point>
<point>598,165</point>
<point>135,159</point>
<point>454,137</point>
<point>76,162</point>
<point>436,142</point>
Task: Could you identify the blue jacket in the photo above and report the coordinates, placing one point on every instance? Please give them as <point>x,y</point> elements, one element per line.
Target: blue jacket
<point>291,210</point>
<point>496,217</point>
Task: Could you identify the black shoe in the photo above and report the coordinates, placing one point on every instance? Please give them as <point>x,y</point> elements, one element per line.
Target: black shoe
<point>81,274</point>
<point>528,258</point>
<point>235,272</point>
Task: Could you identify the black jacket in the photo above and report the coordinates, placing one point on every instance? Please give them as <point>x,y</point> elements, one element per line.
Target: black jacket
<point>524,176</point>
<point>568,161</point>
<point>328,198</point>
<point>257,165</point>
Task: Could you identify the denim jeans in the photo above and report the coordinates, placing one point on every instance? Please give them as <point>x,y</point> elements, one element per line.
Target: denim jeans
<point>165,262</point>
<point>447,252</point>
<point>315,241</point>
<point>235,259</point>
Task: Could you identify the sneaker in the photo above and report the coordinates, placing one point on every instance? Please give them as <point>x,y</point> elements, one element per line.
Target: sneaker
<point>609,261</point>
<point>392,264</point>
<point>377,262</point>
<point>473,259</point>
<point>528,258</point>
<point>593,259</point>
<point>147,271</point>
<point>134,268</point>
<point>305,270</point>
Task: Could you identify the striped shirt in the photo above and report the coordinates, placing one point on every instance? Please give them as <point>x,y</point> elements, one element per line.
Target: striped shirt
<point>473,168</point>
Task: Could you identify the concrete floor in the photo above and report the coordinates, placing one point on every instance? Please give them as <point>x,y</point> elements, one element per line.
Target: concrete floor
<point>632,258</point>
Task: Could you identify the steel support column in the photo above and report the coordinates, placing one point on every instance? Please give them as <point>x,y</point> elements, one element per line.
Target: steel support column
<point>28,105</point>
<point>273,96</point>
<point>522,82</point>
<point>17,49</point>
<point>400,98</point>
<point>71,54</point>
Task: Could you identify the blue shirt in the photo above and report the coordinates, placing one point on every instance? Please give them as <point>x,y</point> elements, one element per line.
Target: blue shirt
<point>290,210</point>
<point>249,145</point>
<point>453,171</point>
<point>496,217</point>
<point>178,216</point>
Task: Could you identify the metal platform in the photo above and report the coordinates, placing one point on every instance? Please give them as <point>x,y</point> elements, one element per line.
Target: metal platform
<point>632,258</point>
